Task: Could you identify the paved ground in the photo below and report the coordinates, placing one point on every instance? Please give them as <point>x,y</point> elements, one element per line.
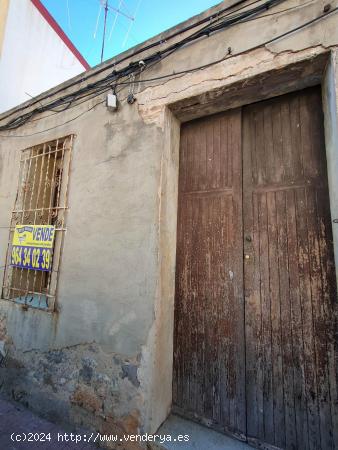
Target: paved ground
<point>16,422</point>
<point>15,419</point>
<point>200,437</point>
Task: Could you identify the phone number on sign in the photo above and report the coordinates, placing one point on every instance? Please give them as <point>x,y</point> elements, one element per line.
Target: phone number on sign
<point>35,258</point>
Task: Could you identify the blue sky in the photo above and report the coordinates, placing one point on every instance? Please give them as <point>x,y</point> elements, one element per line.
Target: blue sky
<point>82,23</point>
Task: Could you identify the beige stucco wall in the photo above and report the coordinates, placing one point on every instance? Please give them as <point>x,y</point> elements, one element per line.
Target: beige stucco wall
<point>111,340</point>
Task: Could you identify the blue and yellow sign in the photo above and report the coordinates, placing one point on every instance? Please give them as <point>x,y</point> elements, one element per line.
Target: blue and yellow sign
<point>32,247</point>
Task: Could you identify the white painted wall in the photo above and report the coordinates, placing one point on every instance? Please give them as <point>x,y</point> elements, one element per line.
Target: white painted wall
<point>33,57</point>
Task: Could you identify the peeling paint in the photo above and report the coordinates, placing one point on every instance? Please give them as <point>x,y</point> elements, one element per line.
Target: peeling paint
<point>105,360</point>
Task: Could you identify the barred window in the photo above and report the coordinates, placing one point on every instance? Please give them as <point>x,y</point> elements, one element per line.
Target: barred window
<point>41,200</point>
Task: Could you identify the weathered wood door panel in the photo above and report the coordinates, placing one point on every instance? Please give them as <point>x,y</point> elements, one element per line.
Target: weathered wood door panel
<point>255,339</point>
<point>209,350</point>
<point>290,289</point>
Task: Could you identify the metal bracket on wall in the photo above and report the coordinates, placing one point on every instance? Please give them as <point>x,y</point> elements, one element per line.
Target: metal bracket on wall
<point>335,221</point>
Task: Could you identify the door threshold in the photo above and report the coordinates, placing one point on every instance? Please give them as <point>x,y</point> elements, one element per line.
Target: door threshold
<point>199,437</point>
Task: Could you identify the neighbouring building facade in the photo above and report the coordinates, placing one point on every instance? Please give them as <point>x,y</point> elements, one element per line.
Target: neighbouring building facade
<point>188,238</point>
<point>35,53</point>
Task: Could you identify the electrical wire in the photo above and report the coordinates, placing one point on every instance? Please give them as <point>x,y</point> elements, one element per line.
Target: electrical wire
<point>22,119</point>
<point>104,88</point>
<point>70,120</point>
<point>165,76</point>
<point>281,11</point>
<point>61,124</point>
<point>70,105</point>
<point>134,67</point>
<point>136,52</point>
<point>274,39</point>
<point>200,67</point>
<point>227,57</point>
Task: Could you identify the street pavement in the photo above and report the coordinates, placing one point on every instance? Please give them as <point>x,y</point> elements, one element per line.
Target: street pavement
<point>20,429</point>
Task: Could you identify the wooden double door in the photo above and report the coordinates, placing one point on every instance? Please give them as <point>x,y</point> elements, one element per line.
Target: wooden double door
<point>255,332</point>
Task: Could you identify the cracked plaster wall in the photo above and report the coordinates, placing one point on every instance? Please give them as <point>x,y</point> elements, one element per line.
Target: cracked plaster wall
<point>103,360</point>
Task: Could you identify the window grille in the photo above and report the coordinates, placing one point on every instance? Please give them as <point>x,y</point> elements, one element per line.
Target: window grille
<point>41,200</point>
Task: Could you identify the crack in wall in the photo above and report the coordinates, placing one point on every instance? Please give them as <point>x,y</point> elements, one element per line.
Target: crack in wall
<point>275,54</point>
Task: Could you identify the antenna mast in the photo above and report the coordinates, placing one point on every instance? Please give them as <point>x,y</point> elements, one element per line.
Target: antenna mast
<point>104,28</point>
<point>107,7</point>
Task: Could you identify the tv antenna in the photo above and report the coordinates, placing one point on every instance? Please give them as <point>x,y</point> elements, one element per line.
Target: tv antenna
<point>107,7</point>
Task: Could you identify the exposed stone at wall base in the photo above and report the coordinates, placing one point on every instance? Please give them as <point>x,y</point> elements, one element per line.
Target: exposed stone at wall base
<point>80,387</point>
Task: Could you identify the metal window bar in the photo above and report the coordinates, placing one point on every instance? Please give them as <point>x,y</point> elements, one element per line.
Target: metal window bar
<point>42,199</point>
